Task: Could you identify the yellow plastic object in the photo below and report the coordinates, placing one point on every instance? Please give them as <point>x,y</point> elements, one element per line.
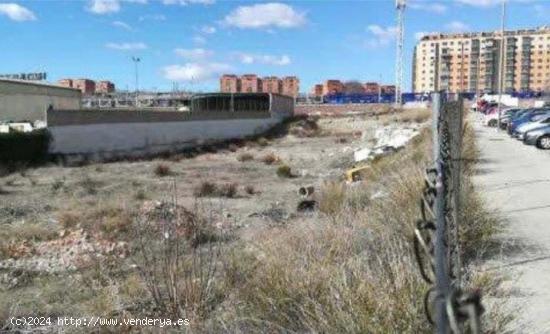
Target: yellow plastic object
<point>357,173</point>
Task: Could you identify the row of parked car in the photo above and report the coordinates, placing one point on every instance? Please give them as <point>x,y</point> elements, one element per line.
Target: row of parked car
<point>530,125</point>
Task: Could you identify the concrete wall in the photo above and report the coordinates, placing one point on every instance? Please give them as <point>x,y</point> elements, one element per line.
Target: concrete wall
<point>101,134</point>
<point>28,101</point>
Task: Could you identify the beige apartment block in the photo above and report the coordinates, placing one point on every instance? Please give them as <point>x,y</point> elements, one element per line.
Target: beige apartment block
<point>470,62</point>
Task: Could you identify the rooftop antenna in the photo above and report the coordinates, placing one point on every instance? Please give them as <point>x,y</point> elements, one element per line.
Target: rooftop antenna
<point>400,6</point>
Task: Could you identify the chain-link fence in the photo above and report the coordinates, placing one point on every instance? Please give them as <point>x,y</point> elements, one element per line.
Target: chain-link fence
<point>436,239</point>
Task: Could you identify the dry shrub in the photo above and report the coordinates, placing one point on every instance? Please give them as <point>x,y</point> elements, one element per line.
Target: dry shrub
<point>262,141</point>
<point>178,274</point>
<point>205,189</point>
<point>332,197</point>
<point>284,171</point>
<point>209,189</point>
<point>341,140</point>
<point>232,147</point>
<point>228,190</point>
<point>249,189</point>
<point>270,159</point>
<point>245,157</point>
<point>305,128</point>
<point>162,170</point>
<point>69,219</point>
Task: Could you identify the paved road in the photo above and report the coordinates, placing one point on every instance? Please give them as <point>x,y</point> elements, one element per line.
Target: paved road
<point>515,180</point>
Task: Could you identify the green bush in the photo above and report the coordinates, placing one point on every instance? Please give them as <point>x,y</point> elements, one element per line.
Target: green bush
<point>28,147</point>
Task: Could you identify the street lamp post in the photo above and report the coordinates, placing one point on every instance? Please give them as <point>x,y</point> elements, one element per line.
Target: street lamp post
<point>136,60</point>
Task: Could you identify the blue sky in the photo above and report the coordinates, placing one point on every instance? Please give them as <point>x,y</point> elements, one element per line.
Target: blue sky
<point>192,41</point>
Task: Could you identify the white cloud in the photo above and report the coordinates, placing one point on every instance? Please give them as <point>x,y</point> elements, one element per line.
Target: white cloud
<point>433,7</point>
<point>16,12</point>
<point>126,46</point>
<point>194,54</point>
<point>248,58</point>
<point>104,6</point>
<point>381,36</point>
<point>199,39</point>
<point>195,72</point>
<point>155,17</point>
<point>109,6</point>
<point>457,26</point>
<point>208,29</point>
<point>188,2</point>
<point>265,15</point>
<point>123,25</point>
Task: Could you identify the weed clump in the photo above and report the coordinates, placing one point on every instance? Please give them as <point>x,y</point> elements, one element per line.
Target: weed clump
<point>262,141</point>
<point>284,171</point>
<point>270,159</point>
<point>332,198</point>
<point>249,189</point>
<point>245,157</point>
<point>162,170</point>
<point>205,189</point>
<point>209,189</point>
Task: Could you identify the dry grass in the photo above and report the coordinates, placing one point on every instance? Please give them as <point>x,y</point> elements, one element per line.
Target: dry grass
<point>243,157</point>
<point>332,198</point>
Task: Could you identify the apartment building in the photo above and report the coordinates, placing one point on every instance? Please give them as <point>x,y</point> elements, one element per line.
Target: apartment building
<point>86,86</point>
<point>291,86</point>
<point>317,90</point>
<point>104,87</point>
<point>372,88</point>
<point>251,83</point>
<point>470,62</point>
<point>230,83</point>
<point>333,87</point>
<point>272,85</point>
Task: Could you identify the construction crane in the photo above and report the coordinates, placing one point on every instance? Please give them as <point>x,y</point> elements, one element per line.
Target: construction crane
<point>400,6</point>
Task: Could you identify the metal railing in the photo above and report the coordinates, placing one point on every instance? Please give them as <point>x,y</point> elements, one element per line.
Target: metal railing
<point>436,237</point>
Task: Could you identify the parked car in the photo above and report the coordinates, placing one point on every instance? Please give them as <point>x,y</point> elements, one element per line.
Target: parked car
<point>539,137</point>
<point>492,117</point>
<point>539,121</point>
<point>507,116</point>
<point>525,117</point>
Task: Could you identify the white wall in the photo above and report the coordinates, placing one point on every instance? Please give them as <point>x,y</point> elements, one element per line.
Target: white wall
<point>125,139</point>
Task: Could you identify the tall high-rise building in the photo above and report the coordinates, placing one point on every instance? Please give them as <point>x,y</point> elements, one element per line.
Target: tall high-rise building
<point>470,62</point>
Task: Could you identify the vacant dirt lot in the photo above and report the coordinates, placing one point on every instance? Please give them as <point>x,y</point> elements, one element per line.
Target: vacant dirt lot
<point>59,224</point>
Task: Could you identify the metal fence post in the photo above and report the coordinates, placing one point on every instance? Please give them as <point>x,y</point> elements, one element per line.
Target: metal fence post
<point>440,251</point>
<point>436,109</point>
